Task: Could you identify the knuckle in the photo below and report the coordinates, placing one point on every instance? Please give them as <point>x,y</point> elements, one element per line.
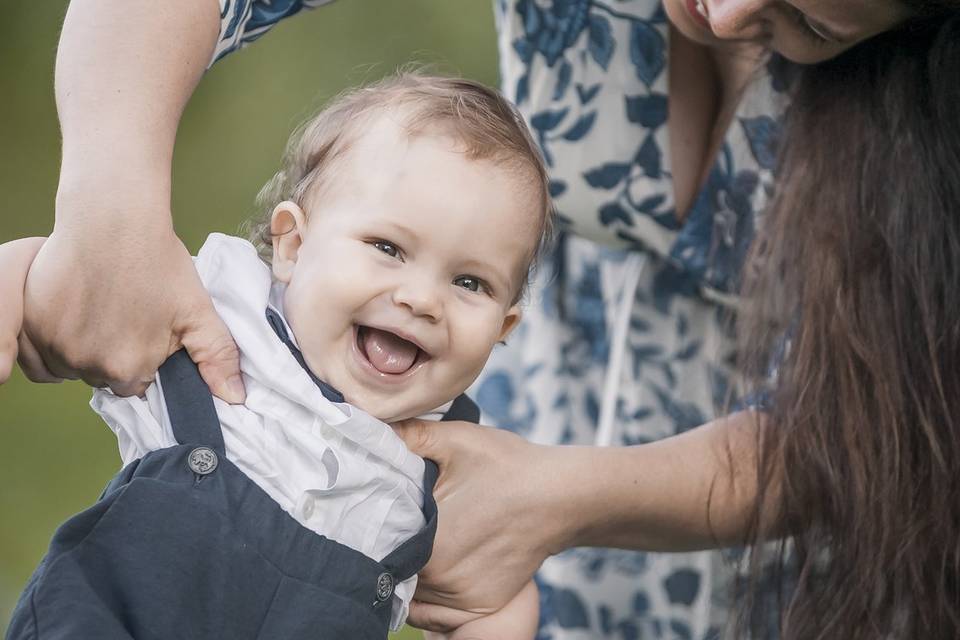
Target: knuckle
<point>126,368</point>
<point>424,438</point>
<point>422,434</point>
<point>215,347</point>
<point>39,374</point>
<point>222,347</point>
<point>433,622</point>
<point>66,348</point>
<point>127,389</point>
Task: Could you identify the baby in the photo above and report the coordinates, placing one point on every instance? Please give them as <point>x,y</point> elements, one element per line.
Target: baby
<point>392,255</point>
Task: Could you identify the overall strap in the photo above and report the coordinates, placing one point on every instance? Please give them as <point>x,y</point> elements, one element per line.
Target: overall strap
<point>463,408</point>
<point>189,403</point>
<point>410,557</point>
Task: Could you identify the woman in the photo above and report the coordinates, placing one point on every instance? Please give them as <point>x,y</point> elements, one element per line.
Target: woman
<point>857,450</point>
<point>660,137</point>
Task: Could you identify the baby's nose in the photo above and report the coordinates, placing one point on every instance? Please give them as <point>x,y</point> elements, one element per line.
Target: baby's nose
<point>421,297</point>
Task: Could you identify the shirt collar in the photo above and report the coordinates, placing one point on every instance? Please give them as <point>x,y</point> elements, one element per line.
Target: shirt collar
<point>279,326</point>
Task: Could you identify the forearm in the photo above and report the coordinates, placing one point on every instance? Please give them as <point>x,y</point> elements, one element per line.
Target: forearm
<point>692,491</point>
<point>124,73</point>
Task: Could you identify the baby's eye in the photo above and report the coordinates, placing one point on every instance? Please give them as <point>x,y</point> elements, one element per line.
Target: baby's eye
<point>388,248</point>
<point>469,283</point>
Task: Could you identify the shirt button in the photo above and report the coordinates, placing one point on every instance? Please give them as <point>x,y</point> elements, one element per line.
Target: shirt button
<point>307,509</point>
<point>385,584</point>
<point>202,460</point>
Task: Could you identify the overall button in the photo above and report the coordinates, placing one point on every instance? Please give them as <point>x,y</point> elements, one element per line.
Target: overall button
<point>202,460</point>
<point>385,584</point>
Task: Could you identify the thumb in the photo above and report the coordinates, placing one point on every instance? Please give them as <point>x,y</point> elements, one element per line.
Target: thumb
<point>426,438</point>
<point>209,343</point>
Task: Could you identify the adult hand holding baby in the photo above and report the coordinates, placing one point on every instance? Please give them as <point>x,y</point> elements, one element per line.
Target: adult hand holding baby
<point>114,291</point>
<point>111,312</point>
<point>494,534</point>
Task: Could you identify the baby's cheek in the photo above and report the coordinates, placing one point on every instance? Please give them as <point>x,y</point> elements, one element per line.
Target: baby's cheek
<point>481,345</point>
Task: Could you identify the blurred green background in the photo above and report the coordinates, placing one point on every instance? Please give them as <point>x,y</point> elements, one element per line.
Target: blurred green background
<point>55,454</point>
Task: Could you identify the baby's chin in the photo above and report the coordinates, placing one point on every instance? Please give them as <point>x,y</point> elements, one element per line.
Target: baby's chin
<point>394,411</point>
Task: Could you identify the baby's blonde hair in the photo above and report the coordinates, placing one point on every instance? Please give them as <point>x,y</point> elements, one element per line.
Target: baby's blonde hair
<point>479,118</point>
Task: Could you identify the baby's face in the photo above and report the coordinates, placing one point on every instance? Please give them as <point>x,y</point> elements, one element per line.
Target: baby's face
<point>402,274</point>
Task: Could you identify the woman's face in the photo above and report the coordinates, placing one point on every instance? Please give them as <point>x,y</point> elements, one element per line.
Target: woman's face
<point>805,31</point>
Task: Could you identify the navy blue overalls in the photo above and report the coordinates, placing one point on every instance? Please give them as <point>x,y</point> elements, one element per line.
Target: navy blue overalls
<point>182,545</point>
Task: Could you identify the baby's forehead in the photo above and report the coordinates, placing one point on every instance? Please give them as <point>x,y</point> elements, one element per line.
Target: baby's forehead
<point>389,146</point>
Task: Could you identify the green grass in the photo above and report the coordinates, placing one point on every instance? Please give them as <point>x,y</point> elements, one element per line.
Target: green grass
<point>55,454</point>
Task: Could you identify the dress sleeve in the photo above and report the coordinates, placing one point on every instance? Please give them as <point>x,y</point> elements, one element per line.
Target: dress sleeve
<point>243,21</point>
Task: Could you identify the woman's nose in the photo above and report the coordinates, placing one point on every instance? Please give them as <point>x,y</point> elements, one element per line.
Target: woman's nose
<point>421,296</point>
<point>740,19</point>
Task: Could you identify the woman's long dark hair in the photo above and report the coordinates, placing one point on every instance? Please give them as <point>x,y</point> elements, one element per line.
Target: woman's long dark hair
<point>856,283</point>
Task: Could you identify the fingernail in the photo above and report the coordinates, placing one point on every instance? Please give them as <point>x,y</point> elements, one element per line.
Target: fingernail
<point>236,390</point>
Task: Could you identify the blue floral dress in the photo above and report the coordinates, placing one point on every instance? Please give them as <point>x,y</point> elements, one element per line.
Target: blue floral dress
<point>623,340</point>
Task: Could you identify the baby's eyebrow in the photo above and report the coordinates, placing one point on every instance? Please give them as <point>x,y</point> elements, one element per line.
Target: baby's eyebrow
<point>406,233</point>
<point>501,278</point>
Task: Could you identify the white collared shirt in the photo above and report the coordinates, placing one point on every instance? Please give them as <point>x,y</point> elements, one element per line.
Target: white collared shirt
<point>337,470</point>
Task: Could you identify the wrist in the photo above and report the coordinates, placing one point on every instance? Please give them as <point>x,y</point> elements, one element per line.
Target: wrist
<point>111,167</point>
<point>573,504</point>
<point>612,497</point>
<point>692,491</point>
<point>109,198</point>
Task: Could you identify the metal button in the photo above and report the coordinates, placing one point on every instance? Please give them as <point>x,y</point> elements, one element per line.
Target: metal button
<point>202,460</point>
<point>385,584</point>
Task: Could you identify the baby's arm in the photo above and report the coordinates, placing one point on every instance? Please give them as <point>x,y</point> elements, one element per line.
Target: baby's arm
<point>515,621</point>
<point>15,260</point>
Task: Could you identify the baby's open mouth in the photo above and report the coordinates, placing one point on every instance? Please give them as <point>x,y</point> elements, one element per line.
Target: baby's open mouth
<point>388,352</point>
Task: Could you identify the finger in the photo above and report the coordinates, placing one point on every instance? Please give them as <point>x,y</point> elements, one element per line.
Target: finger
<point>209,343</point>
<point>438,618</point>
<point>32,364</point>
<point>425,439</point>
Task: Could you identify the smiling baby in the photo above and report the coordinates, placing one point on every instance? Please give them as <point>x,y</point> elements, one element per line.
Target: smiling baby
<point>392,253</point>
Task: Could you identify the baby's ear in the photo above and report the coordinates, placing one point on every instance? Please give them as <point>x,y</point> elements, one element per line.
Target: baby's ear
<point>287,226</point>
<point>510,321</point>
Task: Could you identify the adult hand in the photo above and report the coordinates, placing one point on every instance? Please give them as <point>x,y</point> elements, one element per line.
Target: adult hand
<point>108,303</point>
<point>113,292</point>
<point>506,504</point>
<point>497,519</point>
